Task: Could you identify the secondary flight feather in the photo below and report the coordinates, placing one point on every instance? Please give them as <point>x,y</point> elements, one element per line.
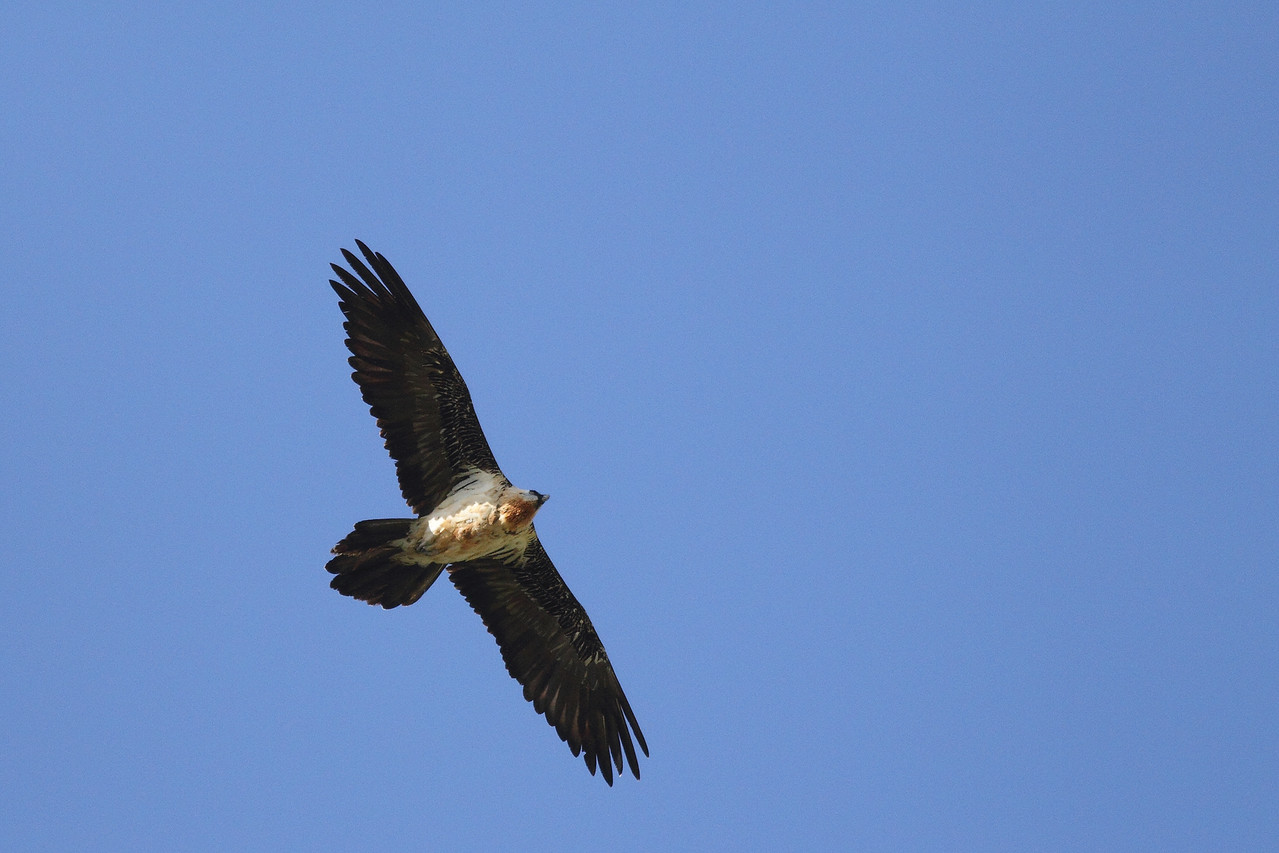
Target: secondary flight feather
<point>470,521</point>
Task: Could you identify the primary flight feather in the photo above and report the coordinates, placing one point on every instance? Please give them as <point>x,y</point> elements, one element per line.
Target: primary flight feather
<point>470,521</point>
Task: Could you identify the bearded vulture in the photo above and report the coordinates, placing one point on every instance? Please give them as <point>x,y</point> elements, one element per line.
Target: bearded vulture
<point>470,520</point>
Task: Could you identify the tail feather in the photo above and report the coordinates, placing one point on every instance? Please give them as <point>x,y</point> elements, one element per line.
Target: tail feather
<point>370,564</point>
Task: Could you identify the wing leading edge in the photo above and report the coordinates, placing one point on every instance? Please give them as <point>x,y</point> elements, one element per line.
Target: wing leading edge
<point>408,378</point>
<point>551,648</point>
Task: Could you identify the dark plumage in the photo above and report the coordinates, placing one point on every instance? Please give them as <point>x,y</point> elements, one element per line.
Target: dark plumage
<point>443,463</point>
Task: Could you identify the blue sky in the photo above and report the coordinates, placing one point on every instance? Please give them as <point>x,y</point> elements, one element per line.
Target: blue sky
<point>905,377</point>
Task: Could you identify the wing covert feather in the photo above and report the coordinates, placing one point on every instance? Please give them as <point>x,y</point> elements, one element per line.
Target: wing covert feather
<point>407,377</point>
<point>551,648</point>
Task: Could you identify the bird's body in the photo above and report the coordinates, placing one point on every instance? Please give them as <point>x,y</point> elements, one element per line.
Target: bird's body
<point>471,521</point>
<point>484,516</point>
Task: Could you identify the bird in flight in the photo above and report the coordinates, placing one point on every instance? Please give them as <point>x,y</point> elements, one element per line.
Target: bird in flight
<point>470,520</point>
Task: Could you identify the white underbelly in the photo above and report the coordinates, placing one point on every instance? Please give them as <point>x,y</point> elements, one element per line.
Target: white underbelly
<point>467,525</point>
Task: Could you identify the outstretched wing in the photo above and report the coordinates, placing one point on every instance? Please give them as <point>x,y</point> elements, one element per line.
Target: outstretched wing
<point>407,377</point>
<point>551,648</point>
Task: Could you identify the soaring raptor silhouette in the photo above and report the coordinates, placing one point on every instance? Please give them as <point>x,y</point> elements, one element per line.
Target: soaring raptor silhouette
<point>471,521</point>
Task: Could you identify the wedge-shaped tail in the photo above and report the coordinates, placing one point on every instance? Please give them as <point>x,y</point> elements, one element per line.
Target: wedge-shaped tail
<point>370,564</point>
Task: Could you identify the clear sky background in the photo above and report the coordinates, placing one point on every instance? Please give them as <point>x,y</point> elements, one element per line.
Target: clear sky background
<point>905,377</point>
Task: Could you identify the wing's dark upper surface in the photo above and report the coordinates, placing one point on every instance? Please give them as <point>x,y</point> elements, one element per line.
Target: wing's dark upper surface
<point>407,377</point>
<point>551,648</point>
